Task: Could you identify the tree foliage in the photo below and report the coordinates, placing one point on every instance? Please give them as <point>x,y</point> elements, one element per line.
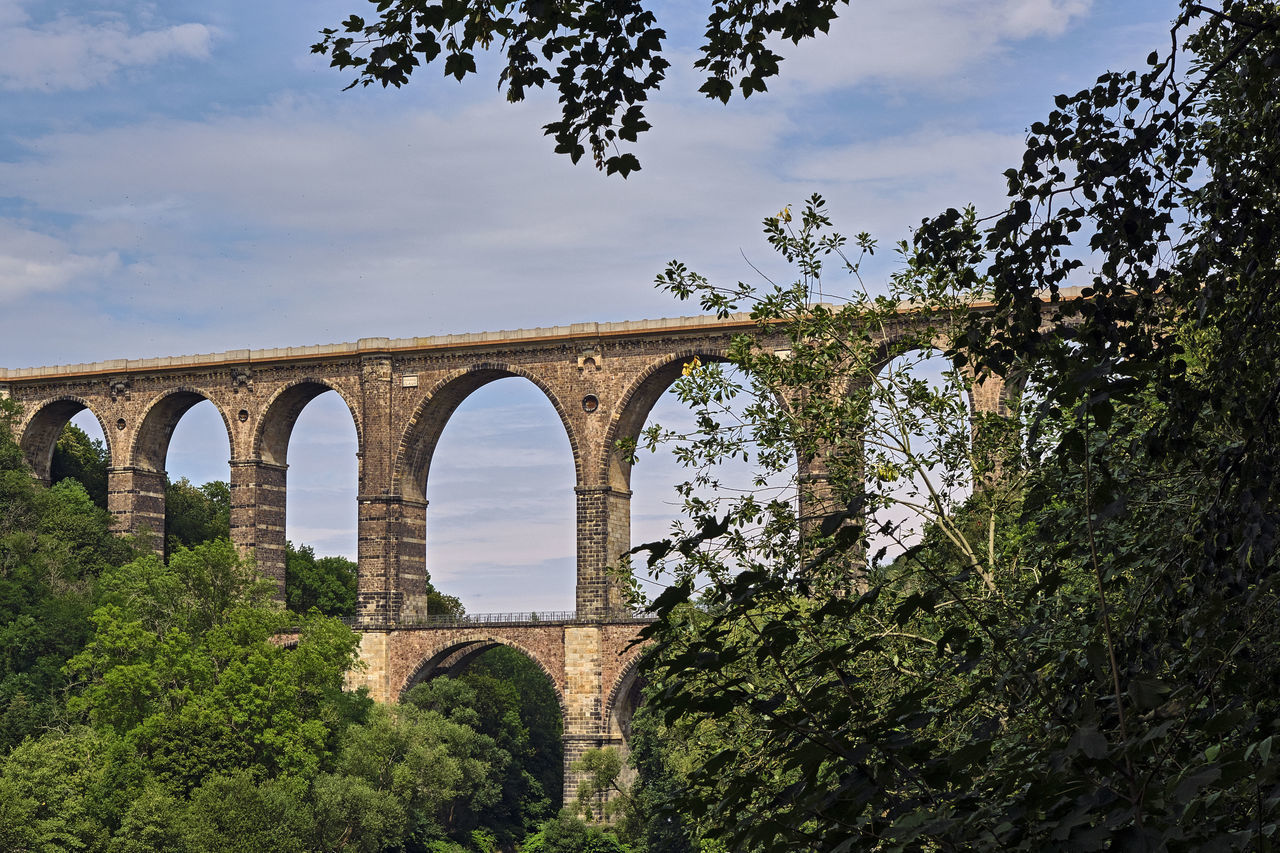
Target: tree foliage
<point>54,542</point>
<point>567,833</point>
<point>171,704</point>
<point>604,59</point>
<point>829,675</point>
<point>196,514</point>
<point>1081,655</point>
<point>442,603</point>
<point>529,704</point>
<point>439,769</point>
<point>326,583</point>
<point>201,717</point>
<point>1053,630</point>
<point>664,757</point>
<point>506,698</point>
<point>84,459</point>
<point>183,660</point>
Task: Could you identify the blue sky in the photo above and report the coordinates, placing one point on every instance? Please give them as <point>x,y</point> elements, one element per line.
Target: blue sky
<point>185,177</point>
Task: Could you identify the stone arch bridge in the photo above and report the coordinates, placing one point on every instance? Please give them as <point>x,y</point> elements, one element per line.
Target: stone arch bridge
<point>601,378</point>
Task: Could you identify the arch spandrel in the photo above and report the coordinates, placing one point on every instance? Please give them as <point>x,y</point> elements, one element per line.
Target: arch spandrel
<point>43,426</point>
<point>422,433</point>
<point>275,420</point>
<point>154,431</point>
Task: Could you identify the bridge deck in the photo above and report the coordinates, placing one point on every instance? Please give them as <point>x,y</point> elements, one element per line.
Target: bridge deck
<point>365,346</point>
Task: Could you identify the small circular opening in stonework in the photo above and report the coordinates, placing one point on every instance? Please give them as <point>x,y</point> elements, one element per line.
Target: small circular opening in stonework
<point>120,424</point>
<point>590,403</point>
<point>243,415</point>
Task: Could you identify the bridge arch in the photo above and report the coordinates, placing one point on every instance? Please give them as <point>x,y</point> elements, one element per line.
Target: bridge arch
<point>627,421</point>
<point>155,426</point>
<point>423,430</point>
<point>923,414</point>
<point>623,699</point>
<point>634,406</point>
<point>281,412</point>
<point>43,427</point>
<point>892,350</point>
<point>454,654</point>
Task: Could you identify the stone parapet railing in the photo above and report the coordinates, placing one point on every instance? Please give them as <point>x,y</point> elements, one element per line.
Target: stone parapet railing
<point>367,346</point>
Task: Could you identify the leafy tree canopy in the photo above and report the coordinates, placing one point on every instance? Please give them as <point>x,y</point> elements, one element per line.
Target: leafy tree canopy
<point>569,834</point>
<point>184,666</point>
<point>526,690</point>
<point>325,583</point>
<point>603,58</point>
<point>172,705</point>
<point>196,514</point>
<point>507,698</point>
<point>54,542</point>
<point>1082,654</point>
<point>84,459</point>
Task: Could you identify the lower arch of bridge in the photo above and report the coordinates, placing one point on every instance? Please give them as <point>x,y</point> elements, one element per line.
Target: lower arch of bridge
<point>624,699</point>
<point>44,427</point>
<point>584,729</point>
<point>452,657</point>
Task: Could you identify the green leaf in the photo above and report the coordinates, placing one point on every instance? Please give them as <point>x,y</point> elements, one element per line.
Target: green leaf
<point>1090,741</point>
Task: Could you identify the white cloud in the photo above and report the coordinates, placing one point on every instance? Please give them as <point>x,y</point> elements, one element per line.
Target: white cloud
<point>310,222</point>
<point>1025,18</point>
<point>920,42</point>
<point>11,13</point>
<point>348,170</point>
<point>77,53</point>
<point>31,262</point>
<point>908,160</point>
<point>313,222</point>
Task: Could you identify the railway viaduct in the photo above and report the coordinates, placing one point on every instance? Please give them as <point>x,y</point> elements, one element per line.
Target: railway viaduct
<point>601,378</point>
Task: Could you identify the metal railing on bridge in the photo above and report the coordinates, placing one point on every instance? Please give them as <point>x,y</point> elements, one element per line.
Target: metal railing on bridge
<point>450,620</point>
<point>464,620</point>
